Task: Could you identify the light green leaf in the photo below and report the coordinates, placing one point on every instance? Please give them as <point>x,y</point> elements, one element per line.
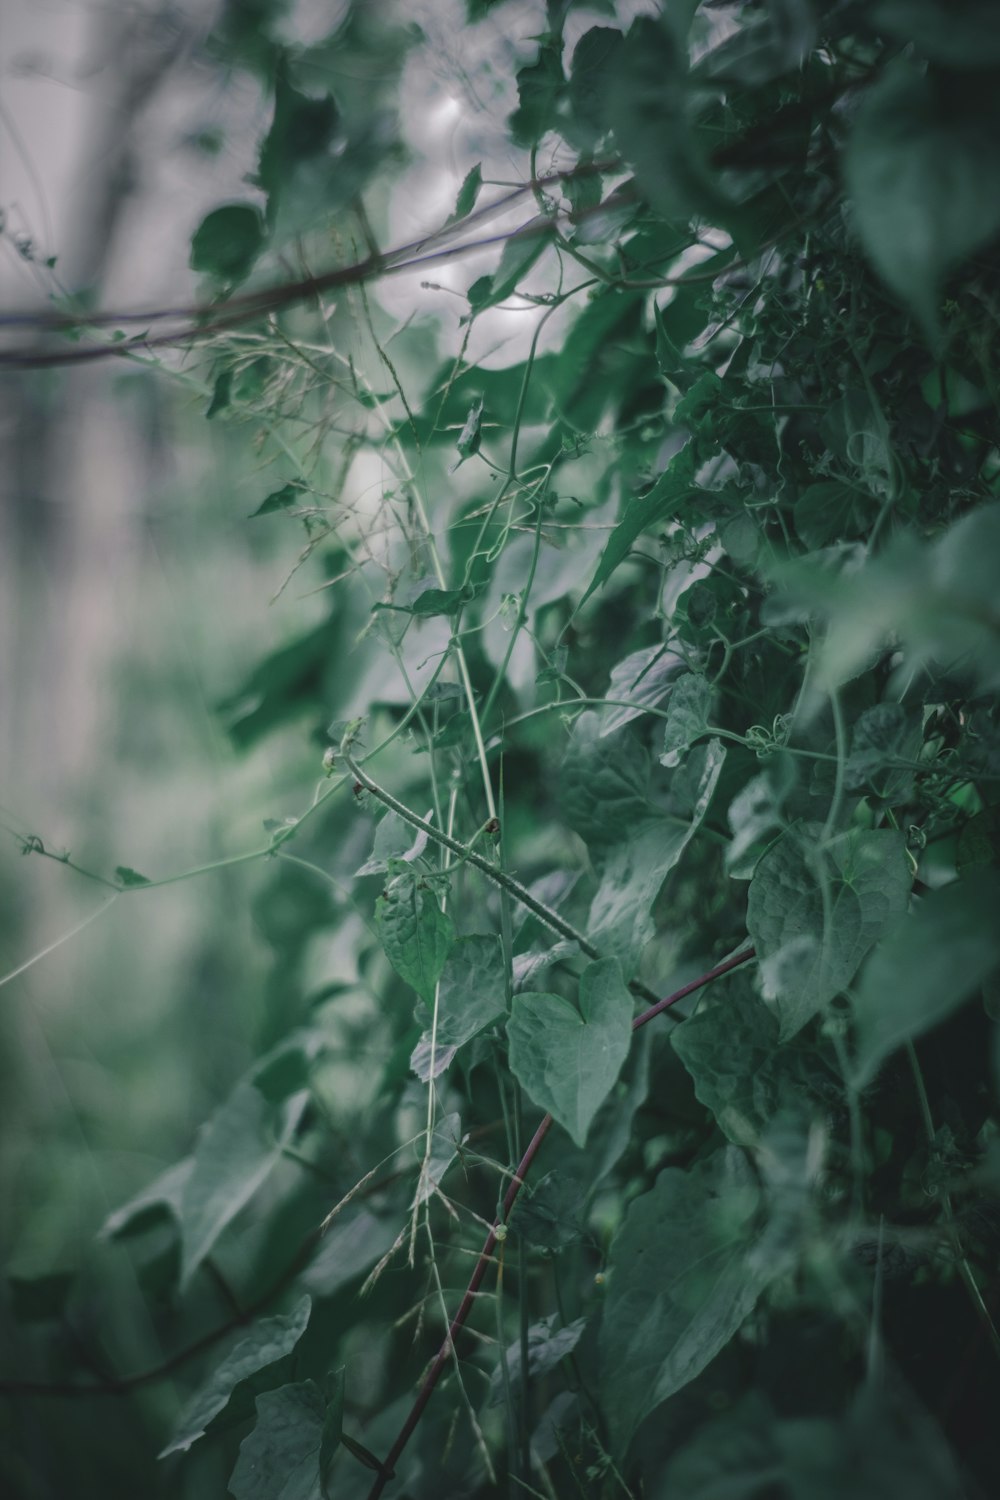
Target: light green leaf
<point>802,965</point>
<point>923,172</point>
<point>683,1280</point>
<point>755,815</point>
<point>642,678</point>
<point>472,993</point>
<point>237,1149</point>
<point>268,1341</point>
<point>446,1140</point>
<point>923,970</point>
<point>687,716</point>
<point>567,1060</point>
<point>415,933</point>
<point>621,919</point>
<point>164,1193</point>
<point>394,839</point>
<point>350,1247</point>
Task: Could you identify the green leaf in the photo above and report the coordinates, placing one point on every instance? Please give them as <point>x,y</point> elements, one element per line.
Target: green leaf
<point>604,781</point>
<point>923,173</point>
<point>415,933</point>
<point>432,601</point>
<point>236,1150</point>
<point>280,1459</point>
<point>549,1341</point>
<point>227,242</point>
<point>647,106</point>
<point>730,1048</point>
<point>923,970</point>
<point>283,499</point>
<point>642,678</point>
<point>668,495</point>
<point>938,601</point>
<point>268,1341</point>
<point>593,56</point>
<point>540,87</point>
<point>567,1060</point>
<point>882,735</point>
<point>302,131</point>
<point>467,194</point>
<point>683,1280</point>
<point>830,511</point>
<point>40,1299</point>
<point>520,252</point>
<point>394,839</point>
<point>956,33</point>
<point>551,1215</point>
<point>164,1194</point>
<point>756,815</point>
<point>621,919</point>
<point>130,878</point>
<point>802,963</point>
<point>687,716</point>
<point>349,1248</point>
<point>472,993</point>
<point>471,434</point>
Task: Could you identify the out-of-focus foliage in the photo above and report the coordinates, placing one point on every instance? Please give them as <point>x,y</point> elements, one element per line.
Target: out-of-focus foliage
<point>676,633</point>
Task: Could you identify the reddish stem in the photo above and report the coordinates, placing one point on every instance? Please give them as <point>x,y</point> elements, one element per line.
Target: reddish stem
<point>433,1375</point>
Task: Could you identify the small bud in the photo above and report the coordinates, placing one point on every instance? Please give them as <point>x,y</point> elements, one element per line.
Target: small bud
<point>493,826</point>
<point>357,789</point>
<point>329,761</point>
<point>500,1233</point>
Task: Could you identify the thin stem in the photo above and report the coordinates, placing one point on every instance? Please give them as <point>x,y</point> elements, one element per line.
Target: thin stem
<point>489,1245</point>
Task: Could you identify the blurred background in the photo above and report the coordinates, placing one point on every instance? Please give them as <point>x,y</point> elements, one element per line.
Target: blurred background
<point>134,594</point>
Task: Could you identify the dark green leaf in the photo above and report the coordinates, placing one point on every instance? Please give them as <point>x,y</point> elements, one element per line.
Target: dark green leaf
<point>621,918</point>
<point>468,193</point>
<point>932,961</point>
<point>227,242</point>
<point>668,495</point>
<point>279,1460</point>
<point>268,1341</point>
<point>683,1280</point>
<point>924,176</point>
<point>519,255</point>
<point>549,1341</point>
<point>236,1150</point>
<point>283,499</point>
<point>803,961</point>
<point>603,783</point>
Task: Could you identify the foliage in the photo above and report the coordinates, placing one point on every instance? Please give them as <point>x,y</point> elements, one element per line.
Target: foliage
<point>676,634</point>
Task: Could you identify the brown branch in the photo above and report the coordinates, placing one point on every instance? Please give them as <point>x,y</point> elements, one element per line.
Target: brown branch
<point>436,1369</point>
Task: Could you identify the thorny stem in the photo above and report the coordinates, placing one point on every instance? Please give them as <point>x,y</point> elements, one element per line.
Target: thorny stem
<point>489,1245</point>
